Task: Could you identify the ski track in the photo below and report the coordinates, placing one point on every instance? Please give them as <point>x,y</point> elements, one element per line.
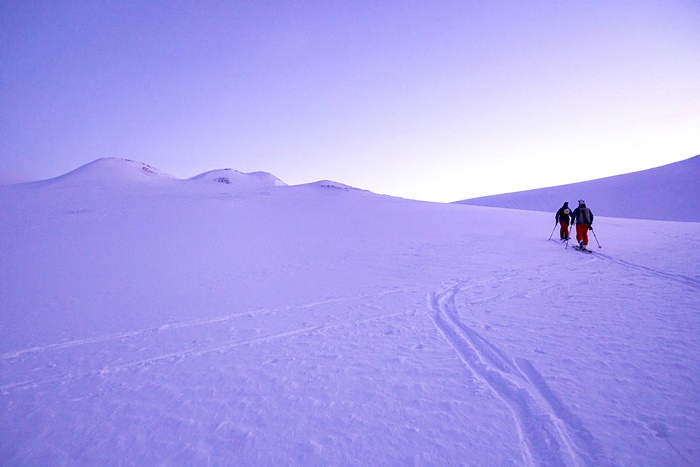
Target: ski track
<point>550,433</point>
<point>185,324</point>
<point>219,347</point>
<point>186,352</point>
<point>685,280</point>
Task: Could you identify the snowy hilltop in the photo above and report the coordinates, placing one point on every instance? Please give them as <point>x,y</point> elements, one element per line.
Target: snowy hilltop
<point>110,170</point>
<point>230,319</point>
<point>236,178</point>
<point>664,193</point>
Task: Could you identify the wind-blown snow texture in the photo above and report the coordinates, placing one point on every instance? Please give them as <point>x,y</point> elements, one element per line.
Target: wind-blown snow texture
<point>150,320</point>
<point>668,193</point>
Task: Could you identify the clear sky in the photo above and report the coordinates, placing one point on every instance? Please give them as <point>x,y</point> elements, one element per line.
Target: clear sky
<point>433,100</point>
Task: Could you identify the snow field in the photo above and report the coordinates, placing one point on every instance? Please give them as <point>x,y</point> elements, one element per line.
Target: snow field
<point>177,322</point>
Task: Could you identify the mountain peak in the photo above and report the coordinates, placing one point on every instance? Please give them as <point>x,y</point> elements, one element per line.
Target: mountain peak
<point>234,177</point>
<point>113,169</point>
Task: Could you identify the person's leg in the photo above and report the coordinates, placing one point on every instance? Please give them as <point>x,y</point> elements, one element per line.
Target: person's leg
<point>563,230</point>
<point>582,234</point>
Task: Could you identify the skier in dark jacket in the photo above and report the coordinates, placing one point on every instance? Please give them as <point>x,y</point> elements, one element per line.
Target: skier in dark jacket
<point>563,218</point>
<point>582,217</point>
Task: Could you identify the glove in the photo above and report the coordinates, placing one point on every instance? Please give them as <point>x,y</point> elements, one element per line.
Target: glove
<point>590,227</point>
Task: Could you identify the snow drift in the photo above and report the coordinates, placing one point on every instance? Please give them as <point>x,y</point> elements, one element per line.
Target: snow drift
<point>157,321</point>
<point>664,193</point>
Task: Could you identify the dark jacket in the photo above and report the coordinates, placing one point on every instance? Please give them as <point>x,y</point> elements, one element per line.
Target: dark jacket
<point>563,214</point>
<point>582,215</point>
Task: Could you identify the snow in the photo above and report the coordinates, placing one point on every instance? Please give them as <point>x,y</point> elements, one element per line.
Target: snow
<point>667,193</point>
<point>150,320</point>
<point>240,179</point>
<point>110,170</point>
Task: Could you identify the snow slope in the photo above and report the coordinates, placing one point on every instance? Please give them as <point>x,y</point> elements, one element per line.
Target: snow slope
<point>667,193</point>
<point>162,321</point>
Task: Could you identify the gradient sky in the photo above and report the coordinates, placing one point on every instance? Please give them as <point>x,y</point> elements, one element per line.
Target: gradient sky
<point>433,100</point>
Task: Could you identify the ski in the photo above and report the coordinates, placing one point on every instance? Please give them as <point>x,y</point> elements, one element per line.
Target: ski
<point>582,250</point>
<point>561,241</point>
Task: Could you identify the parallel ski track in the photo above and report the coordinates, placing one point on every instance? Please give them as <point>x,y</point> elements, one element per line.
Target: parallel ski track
<point>685,280</point>
<point>179,355</point>
<point>680,278</point>
<point>186,350</point>
<point>185,324</point>
<point>112,368</point>
<point>550,433</point>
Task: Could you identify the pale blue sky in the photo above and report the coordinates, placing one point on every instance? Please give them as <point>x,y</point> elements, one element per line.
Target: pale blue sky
<point>434,100</point>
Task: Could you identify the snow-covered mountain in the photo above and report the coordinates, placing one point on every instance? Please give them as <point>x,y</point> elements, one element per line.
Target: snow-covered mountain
<point>236,178</point>
<point>111,170</point>
<point>663,193</point>
<point>150,320</point>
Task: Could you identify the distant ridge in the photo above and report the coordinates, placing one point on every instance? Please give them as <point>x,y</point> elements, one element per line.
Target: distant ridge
<point>113,171</point>
<point>670,192</point>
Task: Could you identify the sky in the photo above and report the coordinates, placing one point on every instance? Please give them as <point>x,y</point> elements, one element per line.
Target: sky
<point>438,101</point>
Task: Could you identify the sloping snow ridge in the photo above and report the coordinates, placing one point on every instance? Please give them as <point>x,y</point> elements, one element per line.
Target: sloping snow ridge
<point>667,193</point>
<point>187,323</point>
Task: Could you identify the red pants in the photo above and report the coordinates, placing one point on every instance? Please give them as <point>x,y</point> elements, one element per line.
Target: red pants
<point>563,230</point>
<point>582,233</point>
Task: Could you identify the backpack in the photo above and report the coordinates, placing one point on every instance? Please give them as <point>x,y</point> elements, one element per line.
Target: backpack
<point>584,216</point>
<point>564,215</point>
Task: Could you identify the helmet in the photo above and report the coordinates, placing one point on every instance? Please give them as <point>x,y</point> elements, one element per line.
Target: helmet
<point>581,202</point>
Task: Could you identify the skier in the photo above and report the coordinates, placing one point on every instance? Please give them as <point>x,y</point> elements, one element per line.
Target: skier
<point>563,218</point>
<point>582,217</point>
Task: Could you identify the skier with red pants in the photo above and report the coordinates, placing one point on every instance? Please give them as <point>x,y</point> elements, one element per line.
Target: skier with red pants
<point>563,218</point>
<point>582,217</point>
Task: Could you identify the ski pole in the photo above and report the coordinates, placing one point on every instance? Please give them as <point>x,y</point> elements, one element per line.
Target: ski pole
<point>596,238</point>
<point>555,228</point>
